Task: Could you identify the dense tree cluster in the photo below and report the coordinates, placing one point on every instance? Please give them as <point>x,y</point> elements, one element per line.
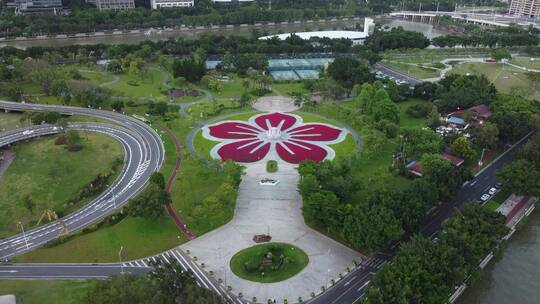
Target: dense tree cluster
<point>396,38</point>
<point>336,200</point>
<point>166,284</point>
<point>501,37</point>
<point>463,91</point>
<point>204,13</point>
<point>427,272</point>
<point>149,204</point>
<point>523,175</point>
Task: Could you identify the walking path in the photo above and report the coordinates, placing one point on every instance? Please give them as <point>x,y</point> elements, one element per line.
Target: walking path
<point>177,220</point>
<point>275,210</point>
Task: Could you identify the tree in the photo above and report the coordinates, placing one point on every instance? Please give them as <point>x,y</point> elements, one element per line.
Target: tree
<point>419,142</point>
<point>117,105</point>
<point>462,147</point>
<point>513,116</point>
<point>393,91</point>
<point>149,204</point>
<point>521,177</point>
<point>487,135</point>
<point>384,108</point>
<point>158,179</point>
<point>440,172</point>
<point>349,72</point>
<point>500,54</point>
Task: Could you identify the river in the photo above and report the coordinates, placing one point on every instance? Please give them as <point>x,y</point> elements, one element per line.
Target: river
<point>515,278</point>
<point>134,38</point>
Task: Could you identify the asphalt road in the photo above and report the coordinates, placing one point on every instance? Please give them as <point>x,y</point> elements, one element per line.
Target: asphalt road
<point>144,154</point>
<point>395,74</point>
<point>346,291</point>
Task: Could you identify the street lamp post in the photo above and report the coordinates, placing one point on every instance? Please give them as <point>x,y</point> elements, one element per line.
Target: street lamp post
<point>24,235</point>
<point>120,258</point>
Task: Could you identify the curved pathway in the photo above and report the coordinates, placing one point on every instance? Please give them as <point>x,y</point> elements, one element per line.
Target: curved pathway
<point>144,155</point>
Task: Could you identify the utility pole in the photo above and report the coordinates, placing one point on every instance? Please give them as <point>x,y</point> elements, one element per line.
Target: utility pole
<point>24,235</point>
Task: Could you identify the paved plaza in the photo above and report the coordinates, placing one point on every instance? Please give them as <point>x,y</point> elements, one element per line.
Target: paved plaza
<point>275,103</point>
<point>277,210</point>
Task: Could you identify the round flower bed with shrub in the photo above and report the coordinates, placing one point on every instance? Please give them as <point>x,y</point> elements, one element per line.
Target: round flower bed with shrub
<point>269,263</point>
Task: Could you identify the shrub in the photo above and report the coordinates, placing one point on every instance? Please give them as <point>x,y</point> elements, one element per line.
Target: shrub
<point>271,166</point>
<point>133,83</point>
<point>420,110</point>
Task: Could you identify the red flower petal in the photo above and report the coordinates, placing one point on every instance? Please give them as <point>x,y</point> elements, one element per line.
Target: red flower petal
<point>275,120</point>
<point>315,132</point>
<point>233,130</point>
<point>294,152</point>
<point>244,151</point>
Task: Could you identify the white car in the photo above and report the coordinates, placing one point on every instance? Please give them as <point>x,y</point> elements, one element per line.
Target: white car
<point>485,197</point>
<point>268,182</point>
<point>27,132</point>
<point>492,191</point>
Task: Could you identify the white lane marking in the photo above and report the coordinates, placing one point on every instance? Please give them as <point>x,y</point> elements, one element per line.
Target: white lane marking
<point>365,284</point>
<point>349,282</point>
<point>9,271</point>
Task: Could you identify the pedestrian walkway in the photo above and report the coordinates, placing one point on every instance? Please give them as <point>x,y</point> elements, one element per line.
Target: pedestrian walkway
<point>275,210</point>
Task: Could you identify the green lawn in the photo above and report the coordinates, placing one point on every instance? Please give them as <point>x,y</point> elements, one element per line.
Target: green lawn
<point>527,62</point>
<point>413,69</point>
<point>10,121</point>
<point>407,120</point>
<point>288,88</point>
<point>148,86</point>
<point>248,263</point>
<point>51,175</point>
<point>46,291</point>
<point>98,77</point>
<point>140,238</point>
<point>504,77</point>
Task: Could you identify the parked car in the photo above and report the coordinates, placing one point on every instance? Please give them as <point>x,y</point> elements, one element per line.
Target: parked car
<point>485,197</point>
<point>498,185</point>
<point>492,191</point>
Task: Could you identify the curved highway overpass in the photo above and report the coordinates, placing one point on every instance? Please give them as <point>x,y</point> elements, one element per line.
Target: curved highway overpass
<point>144,154</point>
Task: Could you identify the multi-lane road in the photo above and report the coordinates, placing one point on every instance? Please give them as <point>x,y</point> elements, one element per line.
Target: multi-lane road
<point>144,155</point>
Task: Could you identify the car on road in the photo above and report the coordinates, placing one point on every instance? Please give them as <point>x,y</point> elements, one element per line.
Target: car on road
<point>485,197</point>
<point>492,191</point>
<point>27,132</point>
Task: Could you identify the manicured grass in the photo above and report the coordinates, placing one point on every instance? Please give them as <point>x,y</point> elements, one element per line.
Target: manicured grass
<point>527,62</point>
<point>46,291</point>
<point>10,121</point>
<point>148,86</point>
<point>97,77</point>
<point>407,120</point>
<point>497,200</point>
<point>288,88</point>
<point>140,237</point>
<point>504,77</point>
<point>51,175</point>
<point>414,69</point>
<point>294,260</point>
<point>208,110</point>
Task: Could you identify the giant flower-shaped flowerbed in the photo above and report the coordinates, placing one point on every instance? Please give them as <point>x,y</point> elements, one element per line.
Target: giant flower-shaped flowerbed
<point>273,136</point>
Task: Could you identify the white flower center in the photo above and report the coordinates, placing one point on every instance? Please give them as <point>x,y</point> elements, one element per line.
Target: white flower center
<point>273,133</point>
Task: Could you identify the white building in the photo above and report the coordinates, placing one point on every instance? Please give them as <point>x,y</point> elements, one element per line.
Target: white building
<point>230,1</point>
<point>171,3</point>
<point>356,37</point>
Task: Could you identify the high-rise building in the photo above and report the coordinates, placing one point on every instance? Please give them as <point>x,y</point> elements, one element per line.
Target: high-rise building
<point>31,6</point>
<point>171,3</point>
<point>113,4</point>
<point>525,8</point>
